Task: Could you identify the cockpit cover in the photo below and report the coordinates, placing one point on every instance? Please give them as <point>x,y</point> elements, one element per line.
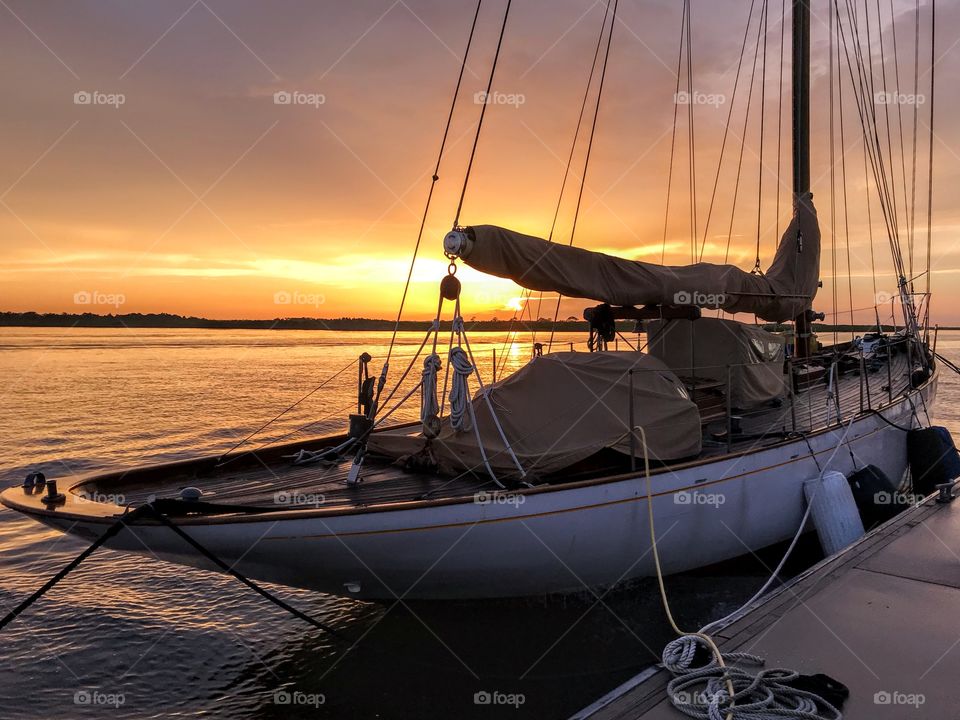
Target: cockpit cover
<point>562,408</point>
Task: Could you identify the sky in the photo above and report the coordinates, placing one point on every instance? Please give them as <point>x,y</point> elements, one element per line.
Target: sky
<point>237,159</point>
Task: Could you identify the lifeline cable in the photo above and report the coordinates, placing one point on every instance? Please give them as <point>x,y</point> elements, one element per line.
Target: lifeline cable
<point>220,460</point>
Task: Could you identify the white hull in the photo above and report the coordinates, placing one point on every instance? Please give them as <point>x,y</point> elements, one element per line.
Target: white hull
<point>559,539</point>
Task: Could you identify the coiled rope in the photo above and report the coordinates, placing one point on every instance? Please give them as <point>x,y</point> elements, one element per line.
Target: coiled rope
<point>704,691</point>
<point>459,390</point>
<point>715,690</point>
<point>429,406</point>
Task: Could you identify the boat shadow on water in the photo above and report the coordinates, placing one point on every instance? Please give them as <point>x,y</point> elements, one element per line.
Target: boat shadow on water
<point>532,657</point>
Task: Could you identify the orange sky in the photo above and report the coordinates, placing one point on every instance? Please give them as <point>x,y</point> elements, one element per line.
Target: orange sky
<point>200,195</point>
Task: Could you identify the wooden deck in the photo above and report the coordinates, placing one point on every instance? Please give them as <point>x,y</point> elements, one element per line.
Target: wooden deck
<point>282,483</point>
<point>268,478</point>
<point>880,617</point>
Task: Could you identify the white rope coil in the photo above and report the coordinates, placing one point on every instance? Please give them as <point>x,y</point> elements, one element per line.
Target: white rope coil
<point>429,406</point>
<point>459,390</point>
<point>703,692</point>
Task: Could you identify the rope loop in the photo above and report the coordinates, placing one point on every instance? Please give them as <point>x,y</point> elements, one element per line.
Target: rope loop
<point>459,390</point>
<point>429,406</point>
<point>712,691</point>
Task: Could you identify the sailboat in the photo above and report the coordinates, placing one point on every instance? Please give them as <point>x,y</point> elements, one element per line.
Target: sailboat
<point>536,483</point>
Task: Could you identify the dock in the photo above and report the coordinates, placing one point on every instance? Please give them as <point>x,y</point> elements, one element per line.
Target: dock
<point>881,617</point>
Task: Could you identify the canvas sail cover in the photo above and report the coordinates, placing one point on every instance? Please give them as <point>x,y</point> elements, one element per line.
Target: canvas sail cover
<point>782,293</point>
<point>707,347</point>
<point>562,408</point>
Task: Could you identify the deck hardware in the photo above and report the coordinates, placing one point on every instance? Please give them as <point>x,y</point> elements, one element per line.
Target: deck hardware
<point>53,497</point>
<point>34,480</point>
<point>360,426</point>
<point>191,493</point>
<point>353,476</point>
<point>450,286</point>
<point>946,492</point>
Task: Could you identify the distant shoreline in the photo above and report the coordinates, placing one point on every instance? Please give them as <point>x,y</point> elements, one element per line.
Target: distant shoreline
<point>169,321</point>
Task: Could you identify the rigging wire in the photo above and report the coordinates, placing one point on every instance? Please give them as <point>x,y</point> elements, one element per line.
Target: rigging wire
<point>916,116</point>
<point>870,129</point>
<point>573,147</point>
<point>864,83</point>
<point>861,92</point>
<point>933,68</point>
<point>272,420</point>
<point>433,182</point>
<point>866,186</point>
<point>589,151</point>
<point>870,106</point>
<point>781,95</point>
<point>673,135</point>
<point>886,113</point>
<point>833,165</point>
<point>763,98</point>
<point>483,113</point>
<point>743,142</point>
<point>691,136</point>
<point>903,156</point>
<point>726,130</point>
<point>843,184</point>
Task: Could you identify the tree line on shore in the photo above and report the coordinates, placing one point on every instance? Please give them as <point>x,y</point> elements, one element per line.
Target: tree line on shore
<point>169,320</point>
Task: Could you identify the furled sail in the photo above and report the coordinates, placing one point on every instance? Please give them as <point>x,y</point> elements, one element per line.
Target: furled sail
<point>783,292</point>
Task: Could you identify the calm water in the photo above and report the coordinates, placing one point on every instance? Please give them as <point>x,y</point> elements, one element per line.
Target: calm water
<point>127,637</point>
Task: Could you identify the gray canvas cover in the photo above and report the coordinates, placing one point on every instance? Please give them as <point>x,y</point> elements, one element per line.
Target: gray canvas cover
<point>782,293</point>
<point>562,408</point>
<point>706,347</point>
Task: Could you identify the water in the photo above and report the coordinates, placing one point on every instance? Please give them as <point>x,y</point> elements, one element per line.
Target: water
<point>126,637</point>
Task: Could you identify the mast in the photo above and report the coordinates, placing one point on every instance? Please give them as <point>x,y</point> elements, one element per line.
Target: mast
<point>801,138</point>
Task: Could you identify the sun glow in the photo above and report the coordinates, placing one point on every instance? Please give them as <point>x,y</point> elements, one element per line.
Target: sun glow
<point>515,303</point>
